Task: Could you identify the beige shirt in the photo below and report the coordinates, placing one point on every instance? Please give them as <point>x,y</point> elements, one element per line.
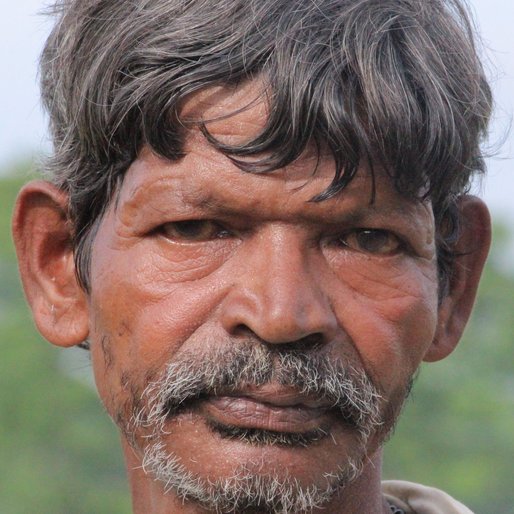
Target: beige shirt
<point>418,499</point>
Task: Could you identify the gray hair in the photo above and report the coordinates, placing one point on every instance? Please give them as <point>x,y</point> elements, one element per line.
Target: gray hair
<point>190,378</point>
<point>395,83</point>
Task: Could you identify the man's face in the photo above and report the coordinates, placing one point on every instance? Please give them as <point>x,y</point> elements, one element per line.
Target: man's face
<point>240,330</point>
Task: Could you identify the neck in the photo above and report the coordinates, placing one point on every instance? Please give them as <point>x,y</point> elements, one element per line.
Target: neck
<point>148,495</point>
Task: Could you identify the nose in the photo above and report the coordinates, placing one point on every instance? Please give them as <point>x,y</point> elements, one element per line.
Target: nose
<point>279,294</point>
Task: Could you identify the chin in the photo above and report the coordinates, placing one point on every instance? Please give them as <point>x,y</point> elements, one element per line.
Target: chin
<point>226,469</point>
<point>256,430</point>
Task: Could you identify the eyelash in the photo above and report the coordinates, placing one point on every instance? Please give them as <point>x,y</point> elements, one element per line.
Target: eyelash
<point>217,231</point>
<point>392,243</point>
<point>386,242</point>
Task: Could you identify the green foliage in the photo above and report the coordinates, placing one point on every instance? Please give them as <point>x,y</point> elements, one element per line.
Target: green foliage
<point>457,431</point>
<point>60,454</point>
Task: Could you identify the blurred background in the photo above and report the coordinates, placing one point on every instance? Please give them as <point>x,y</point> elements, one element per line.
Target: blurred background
<point>59,452</point>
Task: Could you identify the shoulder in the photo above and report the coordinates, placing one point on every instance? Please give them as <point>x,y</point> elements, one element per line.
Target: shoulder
<point>419,499</point>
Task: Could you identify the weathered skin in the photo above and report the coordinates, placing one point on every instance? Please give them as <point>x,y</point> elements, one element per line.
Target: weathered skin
<point>265,263</point>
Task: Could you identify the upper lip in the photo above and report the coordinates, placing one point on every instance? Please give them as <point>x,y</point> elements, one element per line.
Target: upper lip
<point>277,395</point>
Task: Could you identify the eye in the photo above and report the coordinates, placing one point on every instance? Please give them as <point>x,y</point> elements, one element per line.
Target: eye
<point>372,241</point>
<point>193,230</point>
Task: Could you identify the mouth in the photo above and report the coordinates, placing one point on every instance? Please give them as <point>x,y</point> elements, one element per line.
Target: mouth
<point>266,408</point>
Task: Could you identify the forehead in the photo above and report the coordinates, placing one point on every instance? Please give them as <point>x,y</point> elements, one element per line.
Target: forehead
<point>205,177</point>
<point>235,114</point>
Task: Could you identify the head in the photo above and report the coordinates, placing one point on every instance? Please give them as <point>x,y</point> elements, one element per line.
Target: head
<point>257,217</point>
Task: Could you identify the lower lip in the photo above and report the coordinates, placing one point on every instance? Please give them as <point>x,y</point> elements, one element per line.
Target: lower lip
<point>245,412</point>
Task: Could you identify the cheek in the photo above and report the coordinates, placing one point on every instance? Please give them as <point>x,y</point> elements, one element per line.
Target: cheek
<point>140,318</point>
<point>390,314</point>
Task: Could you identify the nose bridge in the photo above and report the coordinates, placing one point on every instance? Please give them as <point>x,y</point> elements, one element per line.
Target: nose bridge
<point>286,280</point>
<point>279,296</point>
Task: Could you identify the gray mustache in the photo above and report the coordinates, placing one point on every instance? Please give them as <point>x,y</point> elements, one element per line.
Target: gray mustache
<point>192,377</point>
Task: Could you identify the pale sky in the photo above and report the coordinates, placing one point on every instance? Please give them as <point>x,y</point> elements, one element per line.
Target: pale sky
<point>23,127</point>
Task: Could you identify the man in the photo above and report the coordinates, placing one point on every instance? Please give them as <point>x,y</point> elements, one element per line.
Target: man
<point>257,222</point>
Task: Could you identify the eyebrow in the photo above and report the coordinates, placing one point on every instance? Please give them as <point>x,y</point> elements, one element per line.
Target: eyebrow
<point>210,204</point>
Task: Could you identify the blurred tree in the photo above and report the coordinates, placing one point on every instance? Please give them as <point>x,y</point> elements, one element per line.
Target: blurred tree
<point>60,454</point>
<point>457,431</point>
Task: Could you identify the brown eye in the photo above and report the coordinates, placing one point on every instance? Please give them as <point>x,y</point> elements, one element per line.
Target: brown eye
<point>193,230</point>
<point>373,241</point>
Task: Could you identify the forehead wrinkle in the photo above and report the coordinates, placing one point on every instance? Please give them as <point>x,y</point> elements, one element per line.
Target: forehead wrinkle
<point>347,207</point>
<point>189,183</point>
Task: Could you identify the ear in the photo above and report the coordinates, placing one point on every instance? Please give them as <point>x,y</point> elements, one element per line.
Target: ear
<point>42,236</point>
<point>471,249</point>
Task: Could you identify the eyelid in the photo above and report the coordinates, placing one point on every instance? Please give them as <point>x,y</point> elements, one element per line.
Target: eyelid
<point>397,244</point>
<point>212,230</point>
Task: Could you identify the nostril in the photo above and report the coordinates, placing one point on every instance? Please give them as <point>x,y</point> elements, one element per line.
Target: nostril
<point>280,311</point>
<point>243,331</point>
<point>307,343</point>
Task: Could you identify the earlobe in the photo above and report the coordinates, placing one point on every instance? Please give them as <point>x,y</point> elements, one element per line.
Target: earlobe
<point>471,249</point>
<point>42,236</point>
